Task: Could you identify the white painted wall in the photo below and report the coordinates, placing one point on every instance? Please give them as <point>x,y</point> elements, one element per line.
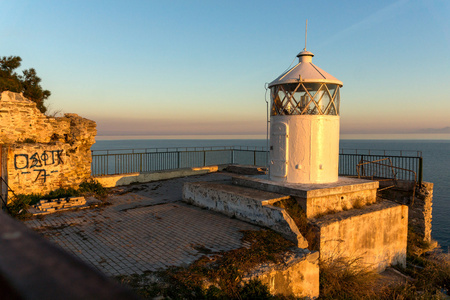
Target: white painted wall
<point>304,148</point>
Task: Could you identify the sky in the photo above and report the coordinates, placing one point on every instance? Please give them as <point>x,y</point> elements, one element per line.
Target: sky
<point>188,68</point>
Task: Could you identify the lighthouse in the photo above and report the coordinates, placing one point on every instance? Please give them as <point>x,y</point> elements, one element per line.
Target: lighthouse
<point>304,124</point>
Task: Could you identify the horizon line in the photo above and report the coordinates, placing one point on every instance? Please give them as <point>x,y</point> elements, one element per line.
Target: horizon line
<point>348,136</point>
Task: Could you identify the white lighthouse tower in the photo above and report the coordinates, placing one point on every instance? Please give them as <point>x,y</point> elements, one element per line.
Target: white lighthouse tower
<point>304,130</point>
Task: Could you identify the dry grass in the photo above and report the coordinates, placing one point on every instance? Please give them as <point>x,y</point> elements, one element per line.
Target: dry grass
<point>428,276</point>
<point>217,276</point>
<point>346,278</point>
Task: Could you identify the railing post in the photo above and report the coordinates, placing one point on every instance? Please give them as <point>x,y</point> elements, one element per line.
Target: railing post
<point>254,157</point>
<point>204,158</point>
<point>420,170</point>
<point>179,164</point>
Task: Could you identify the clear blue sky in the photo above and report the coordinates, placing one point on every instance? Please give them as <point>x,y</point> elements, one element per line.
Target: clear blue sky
<point>199,67</point>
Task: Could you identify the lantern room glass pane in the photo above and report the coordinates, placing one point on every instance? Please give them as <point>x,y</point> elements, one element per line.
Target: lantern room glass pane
<point>305,99</point>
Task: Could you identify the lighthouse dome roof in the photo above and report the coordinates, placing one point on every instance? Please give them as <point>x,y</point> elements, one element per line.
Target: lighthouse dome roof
<point>305,71</point>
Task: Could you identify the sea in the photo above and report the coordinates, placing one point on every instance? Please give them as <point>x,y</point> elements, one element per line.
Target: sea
<point>436,165</point>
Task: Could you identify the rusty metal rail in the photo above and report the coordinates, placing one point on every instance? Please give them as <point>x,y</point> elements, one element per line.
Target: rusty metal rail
<point>377,171</point>
<point>4,196</point>
<point>403,164</point>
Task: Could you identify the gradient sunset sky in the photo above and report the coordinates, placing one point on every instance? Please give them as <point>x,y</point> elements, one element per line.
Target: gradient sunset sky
<point>200,67</point>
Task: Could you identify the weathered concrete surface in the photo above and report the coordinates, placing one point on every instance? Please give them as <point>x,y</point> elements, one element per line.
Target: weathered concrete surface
<point>319,199</point>
<point>245,204</point>
<point>377,234</point>
<point>130,178</point>
<point>246,169</point>
<point>298,275</point>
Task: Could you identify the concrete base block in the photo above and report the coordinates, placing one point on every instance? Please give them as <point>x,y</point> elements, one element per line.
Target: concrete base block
<point>319,199</point>
<point>245,204</point>
<point>298,276</point>
<point>377,234</point>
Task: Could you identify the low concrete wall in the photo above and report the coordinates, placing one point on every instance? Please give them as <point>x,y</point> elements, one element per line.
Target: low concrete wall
<point>377,234</point>
<point>125,179</point>
<point>298,276</point>
<point>245,204</point>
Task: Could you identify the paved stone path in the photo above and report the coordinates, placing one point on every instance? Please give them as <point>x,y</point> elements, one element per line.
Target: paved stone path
<point>146,228</point>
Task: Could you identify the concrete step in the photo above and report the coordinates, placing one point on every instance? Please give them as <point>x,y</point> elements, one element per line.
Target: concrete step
<point>247,204</point>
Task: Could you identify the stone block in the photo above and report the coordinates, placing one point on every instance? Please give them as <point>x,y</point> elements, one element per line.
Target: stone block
<point>297,276</point>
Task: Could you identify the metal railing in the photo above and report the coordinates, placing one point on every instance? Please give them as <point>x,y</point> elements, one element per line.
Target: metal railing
<point>111,162</point>
<point>404,165</point>
<point>121,161</point>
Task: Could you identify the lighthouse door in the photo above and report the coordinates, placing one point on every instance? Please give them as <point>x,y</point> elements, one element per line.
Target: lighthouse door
<point>279,150</point>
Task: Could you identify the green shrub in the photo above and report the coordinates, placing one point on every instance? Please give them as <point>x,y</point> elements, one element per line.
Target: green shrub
<point>18,207</point>
<point>92,187</point>
<point>254,290</point>
<point>20,203</point>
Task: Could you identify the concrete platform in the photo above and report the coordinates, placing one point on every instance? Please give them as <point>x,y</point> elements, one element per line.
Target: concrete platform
<point>146,228</point>
<point>318,199</point>
<point>245,204</point>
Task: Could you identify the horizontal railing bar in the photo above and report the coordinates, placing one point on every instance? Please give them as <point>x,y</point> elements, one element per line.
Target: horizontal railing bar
<point>380,152</point>
<point>182,149</point>
<point>378,155</point>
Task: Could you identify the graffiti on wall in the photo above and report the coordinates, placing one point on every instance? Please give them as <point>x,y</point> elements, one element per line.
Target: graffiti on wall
<point>39,163</point>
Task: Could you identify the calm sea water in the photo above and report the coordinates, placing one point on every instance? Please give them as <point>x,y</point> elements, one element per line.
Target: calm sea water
<point>436,160</point>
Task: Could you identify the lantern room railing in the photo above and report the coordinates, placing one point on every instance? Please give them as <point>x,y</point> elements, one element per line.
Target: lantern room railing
<point>305,99</point>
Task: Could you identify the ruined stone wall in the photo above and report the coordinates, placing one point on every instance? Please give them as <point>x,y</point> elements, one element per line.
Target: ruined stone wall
<point>420,212</point>
<point>43,153</point>
<point>420,206</point>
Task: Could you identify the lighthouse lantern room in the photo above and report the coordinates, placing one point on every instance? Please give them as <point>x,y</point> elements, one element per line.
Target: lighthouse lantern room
<point>304,124</point>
